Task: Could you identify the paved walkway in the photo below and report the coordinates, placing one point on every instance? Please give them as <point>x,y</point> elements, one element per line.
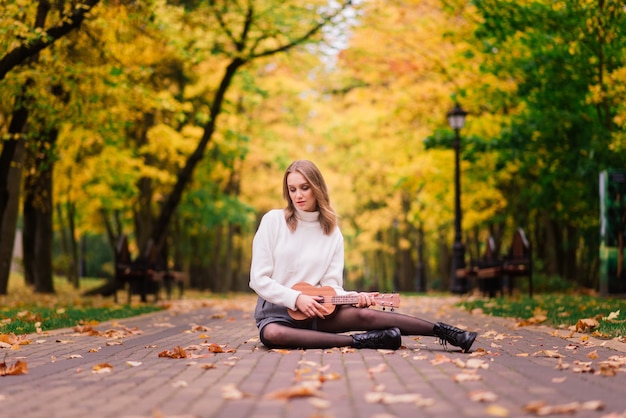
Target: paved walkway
<point>511,372</point>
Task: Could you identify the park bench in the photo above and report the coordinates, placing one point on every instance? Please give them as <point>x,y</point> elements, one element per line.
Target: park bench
<point>133,275</point>
<point>518,262</point>
<point>487,270</point>
<point>144,275</point>
<point>174,278</point>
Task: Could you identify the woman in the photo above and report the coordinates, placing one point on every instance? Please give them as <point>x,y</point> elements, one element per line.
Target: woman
<point>303,244</point>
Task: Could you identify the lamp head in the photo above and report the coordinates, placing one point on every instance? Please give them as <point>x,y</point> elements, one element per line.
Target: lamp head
<point>456,117</point>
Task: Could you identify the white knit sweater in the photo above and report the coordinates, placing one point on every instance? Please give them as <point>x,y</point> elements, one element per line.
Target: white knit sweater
<point>281,258</point>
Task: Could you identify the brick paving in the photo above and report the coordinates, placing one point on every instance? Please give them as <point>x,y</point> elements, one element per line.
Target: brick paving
<point>509,368</point>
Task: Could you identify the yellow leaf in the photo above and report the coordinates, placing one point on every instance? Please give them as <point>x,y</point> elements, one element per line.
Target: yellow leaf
<point>280,351</point>
<point>497,411</point>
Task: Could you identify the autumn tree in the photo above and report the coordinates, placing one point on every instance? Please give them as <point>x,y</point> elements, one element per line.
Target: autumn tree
<point>26,34</point>
<point>562,57</point>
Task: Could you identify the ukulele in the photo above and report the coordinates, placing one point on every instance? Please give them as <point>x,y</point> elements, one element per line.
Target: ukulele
<point>329,299</point>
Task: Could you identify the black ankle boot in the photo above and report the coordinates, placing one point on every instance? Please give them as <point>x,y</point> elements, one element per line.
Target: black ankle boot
<point>390,339</point>
<point>453,335</point>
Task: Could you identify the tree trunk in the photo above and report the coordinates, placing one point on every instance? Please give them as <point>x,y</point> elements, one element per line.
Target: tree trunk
<point>75,263</point>
<point>228,258</point>
<point>570,257</point>
<point>11,164</point>
<point>185,174</point>
<point>38,211</point>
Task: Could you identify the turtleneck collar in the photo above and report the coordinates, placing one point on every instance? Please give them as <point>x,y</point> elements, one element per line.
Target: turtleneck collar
<point>307,216</point>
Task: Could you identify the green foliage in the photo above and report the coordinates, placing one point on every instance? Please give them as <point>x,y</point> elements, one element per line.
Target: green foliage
<point>26,321</point>
<point>561,310</point>
<point>23,312</point>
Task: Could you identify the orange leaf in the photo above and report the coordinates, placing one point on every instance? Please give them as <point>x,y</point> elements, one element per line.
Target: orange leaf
<point>178,352</point>
<point>102,368</point>
<point>586,324</point>
<point>298,391</point>
<point>215,348</point>
<point>20,367</point>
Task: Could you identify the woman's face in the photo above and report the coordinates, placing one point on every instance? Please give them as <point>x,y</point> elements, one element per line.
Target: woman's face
<point>300,192</point>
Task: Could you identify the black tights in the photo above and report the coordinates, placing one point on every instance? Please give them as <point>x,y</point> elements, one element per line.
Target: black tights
<point>346,319</point>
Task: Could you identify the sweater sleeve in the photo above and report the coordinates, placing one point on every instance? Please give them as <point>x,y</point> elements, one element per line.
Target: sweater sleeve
<point>333,276</point>
<point>262,268</point>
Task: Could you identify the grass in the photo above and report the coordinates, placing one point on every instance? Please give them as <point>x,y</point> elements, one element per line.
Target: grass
<point>23,312</point>
<point>559,311</point>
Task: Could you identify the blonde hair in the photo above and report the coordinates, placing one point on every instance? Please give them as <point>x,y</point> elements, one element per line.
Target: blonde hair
<point>313,176</point>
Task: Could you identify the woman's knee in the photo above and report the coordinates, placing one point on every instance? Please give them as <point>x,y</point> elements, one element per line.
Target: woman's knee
<point>274,335</point>
<point>367,316</point>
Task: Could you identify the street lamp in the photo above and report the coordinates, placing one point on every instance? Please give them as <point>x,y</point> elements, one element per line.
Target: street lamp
<point>456,119</point>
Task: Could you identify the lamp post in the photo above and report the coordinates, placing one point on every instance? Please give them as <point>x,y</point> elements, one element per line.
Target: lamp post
<point>456,119</point>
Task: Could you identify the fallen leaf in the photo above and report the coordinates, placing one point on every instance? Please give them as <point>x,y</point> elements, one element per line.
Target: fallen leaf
<point>20,367</point>
<point>231,392</point>
<point>280,351</point>
<point>466,377</point>
<point>178,352</point>
<point>12,339</point>
<point>390,398</point>
<point>476,364</point>
<point>586,324</point>
<point>131,363</point>
<point>548,353</point>
<point>440,359</point>
<point>593,354</point>
<point>541,408</point>
<point>302,390</point>
<point>319,403</point>
<point>482,396</point>
<point>208,366</point>
<point>215,348</point>
<point>102,368</point>
<point>593,405</point>
<point>497,411</point>
<point>377,369</point>
<point>583,367</point>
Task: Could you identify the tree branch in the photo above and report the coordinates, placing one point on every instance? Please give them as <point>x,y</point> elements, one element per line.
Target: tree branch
<point>20,54</point>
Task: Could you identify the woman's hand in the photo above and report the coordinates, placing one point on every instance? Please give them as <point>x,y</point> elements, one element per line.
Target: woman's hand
<point>366,299</point>
<point>310,306</point>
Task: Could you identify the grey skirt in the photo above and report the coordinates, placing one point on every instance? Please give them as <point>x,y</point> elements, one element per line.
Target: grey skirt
<point>267,313</point>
